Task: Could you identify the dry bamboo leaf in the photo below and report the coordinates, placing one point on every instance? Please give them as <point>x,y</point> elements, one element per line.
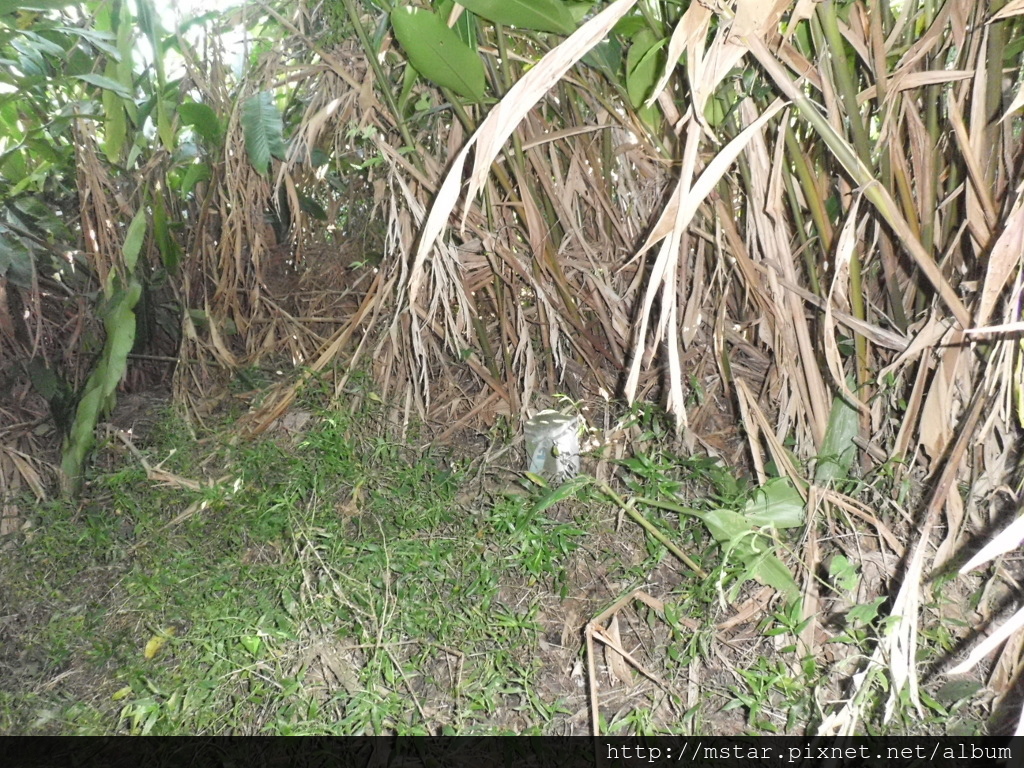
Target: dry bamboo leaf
<point>688,36</point>
<point>675,217</point>
<point>1009,538</point>
<point>901,642</point>
<point>954,508</point>
<point>856,509</point>
<point>705,73</point>
<point>810,606</point>
<point>927,338</point>
<point>845,246</point>
<point>1006,672</point>
<point>27,472</point>
<point>1004,258</point>
<point>1012,8</point>
<point>1017,103</point>
<point>803,10</point>
<point>990,643</point>
<point>876,193</point>
<point>499,124</point>
<point>939,410</point>
<point>981,214</point>
<point>616,664</point>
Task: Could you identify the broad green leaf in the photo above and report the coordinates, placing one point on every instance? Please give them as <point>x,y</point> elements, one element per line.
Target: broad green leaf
<point>41,44</point>
<point>312,208</point>
<point>120,327</point>
<point>865,613</point>
<point>777,504</point>
<point>115,126</point>
<point>753,550</point>
<point>605,56</point>
<point>81,437</point>
<point>643,67</point>
<point>542,15</point>
<point>726,525</point>
<point>838,449</point>
<point>465,25</point>
<point>133,240</point>
<point>106,83</point>
<point>204,120</point>
<point>768,569</point>
<point>437,53</point>
<point>10,6</point>
<point>16,262</point>
<point>102,40</point>
<point>630,26</point>
<point>14,167</point>
<point>578,12</point>
<point>196,172</point>
<point>170,252</point>
<point>261,124</point>
<point>30,62</point>
<point>98,395</point>
<point>164,126</point>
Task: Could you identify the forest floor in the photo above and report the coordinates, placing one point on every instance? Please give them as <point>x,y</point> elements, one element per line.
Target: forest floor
<point>330,578</point>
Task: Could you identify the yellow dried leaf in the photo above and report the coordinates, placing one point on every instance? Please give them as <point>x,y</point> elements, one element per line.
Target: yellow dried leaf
<point>156,643</point>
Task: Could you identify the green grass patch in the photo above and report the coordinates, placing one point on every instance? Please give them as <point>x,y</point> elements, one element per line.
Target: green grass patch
<point>340,581</point>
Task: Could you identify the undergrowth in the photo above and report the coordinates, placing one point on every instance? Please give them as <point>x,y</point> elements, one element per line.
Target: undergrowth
<point>337,580</point>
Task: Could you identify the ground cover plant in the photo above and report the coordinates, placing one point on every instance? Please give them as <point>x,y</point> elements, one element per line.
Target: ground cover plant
<point>335,580</point>
<point>301,272</point>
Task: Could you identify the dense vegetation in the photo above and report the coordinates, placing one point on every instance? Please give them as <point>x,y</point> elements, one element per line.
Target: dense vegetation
<point>797,229</point>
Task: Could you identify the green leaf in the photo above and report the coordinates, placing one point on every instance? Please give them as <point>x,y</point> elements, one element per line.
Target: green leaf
<point>865,613</point>
<point>106,83</point>
<point>98,395</point>
<point>630,26</point>
<point>605,56</point>
<point>263,129</point>
<point>133,241</point>
<point>16,262</point>
<point>726,525</point>
<point>843,574</point>
<point>542,15</point>
<point>10,6</point>
<point>102,40</point>
<point>562,492</point>
<point>164,126</point>
<point>115,126</point>
<point>643,67</point>
<point>196,172</point>
<point>81,438</point>
<point>204,120</point>
<point>753,550</point>
<point>778,504</point>
<point>465,25</point>
<point>170,252</point>
<point>437,53</point>
<point>768,569</point>
<point>44,380</point>
<point>838,449</point>
<point>312,208</point>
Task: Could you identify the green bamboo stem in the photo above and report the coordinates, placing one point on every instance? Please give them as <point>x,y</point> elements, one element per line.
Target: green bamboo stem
<point>644,523</point>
